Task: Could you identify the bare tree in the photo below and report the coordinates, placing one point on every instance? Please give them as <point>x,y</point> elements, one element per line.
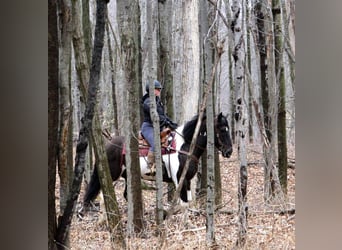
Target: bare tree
<point>186,58</point>
<point>111,54</point>
<point>207,57</point>
<point>151,26</point>
<point>264,26</point>
<point>210,170</point>
<point>86,26</point>
<point>164,69</point>
<point>165,64</point>
<point>52,120</point>
<point>240,115</point>
<point>279,68</point>
<point>65,154</point>
<point>82,63</point>
<point>128,16</point>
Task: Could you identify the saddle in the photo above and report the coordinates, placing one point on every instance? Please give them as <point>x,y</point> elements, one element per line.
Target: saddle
<point>167,142</point>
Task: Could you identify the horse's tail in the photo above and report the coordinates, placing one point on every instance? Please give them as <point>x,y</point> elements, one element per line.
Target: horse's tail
<point>93,188</point>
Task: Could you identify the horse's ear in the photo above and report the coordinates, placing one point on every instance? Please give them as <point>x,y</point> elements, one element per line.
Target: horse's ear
<point>222,115</point>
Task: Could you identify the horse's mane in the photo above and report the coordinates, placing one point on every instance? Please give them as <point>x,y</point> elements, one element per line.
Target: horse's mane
<point>189,128</point>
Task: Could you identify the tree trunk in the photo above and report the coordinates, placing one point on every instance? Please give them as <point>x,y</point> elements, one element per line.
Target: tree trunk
<point>165,62</point>
<point>82,68</point>
<point>265,27</point>
<point>151,26</point>
<point>279,68</point>
<point>240,115</point>
<point>112,69</point>
<point>186,58</point>
<point>149,40</point>
<point>218,180</point>
<point>207,59</point>
<point>164,70</point>
<point>129,20</point>
<point>249,62</point>
<point>65,154</point>
<point>52,120</point>
<point>86,25</point>
<point>210,225</point>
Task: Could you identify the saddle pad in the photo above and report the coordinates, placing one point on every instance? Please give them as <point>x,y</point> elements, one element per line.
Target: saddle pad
<point>143,148</point>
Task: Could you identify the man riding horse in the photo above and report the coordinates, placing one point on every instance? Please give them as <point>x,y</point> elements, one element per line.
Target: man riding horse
<point>147,125</point>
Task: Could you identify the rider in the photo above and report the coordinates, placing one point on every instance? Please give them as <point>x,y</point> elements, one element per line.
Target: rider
<point>147,125</point>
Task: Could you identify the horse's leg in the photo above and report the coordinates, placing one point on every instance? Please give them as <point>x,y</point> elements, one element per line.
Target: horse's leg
<point>188,190</point>
<point>124,175</point>
<point>183,192</point>
<point>93,188</point>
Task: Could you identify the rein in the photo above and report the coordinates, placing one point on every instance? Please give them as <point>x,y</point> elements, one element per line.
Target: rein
<point>188,154</point>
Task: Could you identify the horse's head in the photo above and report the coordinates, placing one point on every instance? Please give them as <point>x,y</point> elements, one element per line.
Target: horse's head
<point>222,136</point>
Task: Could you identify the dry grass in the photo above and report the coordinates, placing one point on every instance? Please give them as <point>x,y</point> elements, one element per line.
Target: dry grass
<point>267,229</point>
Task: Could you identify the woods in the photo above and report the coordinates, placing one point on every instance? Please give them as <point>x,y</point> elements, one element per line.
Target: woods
<point>234,58</point>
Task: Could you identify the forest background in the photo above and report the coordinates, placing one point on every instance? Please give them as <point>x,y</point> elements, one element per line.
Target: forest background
<point>175,42</point>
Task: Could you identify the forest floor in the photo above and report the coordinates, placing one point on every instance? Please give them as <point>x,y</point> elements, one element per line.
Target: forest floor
<point>269,226</point>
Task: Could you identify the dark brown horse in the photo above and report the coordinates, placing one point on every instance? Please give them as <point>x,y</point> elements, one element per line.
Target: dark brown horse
<point>174,157</point>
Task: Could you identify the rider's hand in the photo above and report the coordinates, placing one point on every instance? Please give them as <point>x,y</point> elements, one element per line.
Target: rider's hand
<point>172,125</point>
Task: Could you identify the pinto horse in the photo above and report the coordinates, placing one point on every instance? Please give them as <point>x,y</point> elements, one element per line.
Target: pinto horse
<point>173,156</point>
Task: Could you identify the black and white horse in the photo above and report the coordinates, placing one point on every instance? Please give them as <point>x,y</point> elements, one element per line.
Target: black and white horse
<point>173,157</point>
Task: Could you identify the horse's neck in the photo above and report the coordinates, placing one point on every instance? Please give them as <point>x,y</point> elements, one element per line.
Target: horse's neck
<point>183,145</point>
<point>198,150</point>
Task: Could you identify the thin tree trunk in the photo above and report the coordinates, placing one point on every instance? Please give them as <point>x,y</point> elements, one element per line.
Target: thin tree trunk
<point>111,63</point>
<point>210,225</point>
<point>65,160</point>
<point>279,67</point>
<point>129,19</point>
<point>52,120</point>
<point>264,27</point>
<point>158,159</point>
<point>241,116</point>
<point>207,59</point>
<point>86,25</point>
<point>164,70</point>
<point>177,38</point>
<point>82,68</point>
<point>249,59</point>
<point>218,180</point>
<point>149,41</point>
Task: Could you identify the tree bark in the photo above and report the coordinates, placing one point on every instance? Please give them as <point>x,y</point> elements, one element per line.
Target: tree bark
<point>129,23</point>
<point>151,26</point>
<point>240,115</point>
<point>52,120</point>
<point>279,68</point>
<point>266,59</point>
<point>82,63</point>
<point>164,70</point>
<point>210,225</point>
<point>86,26</point>
<point>65,153</point>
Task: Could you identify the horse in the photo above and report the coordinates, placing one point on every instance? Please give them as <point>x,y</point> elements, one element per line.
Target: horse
<point>174,156</point>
